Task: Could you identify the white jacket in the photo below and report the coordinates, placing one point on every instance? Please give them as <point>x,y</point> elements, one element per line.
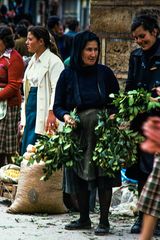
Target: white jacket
<point>50,70</point>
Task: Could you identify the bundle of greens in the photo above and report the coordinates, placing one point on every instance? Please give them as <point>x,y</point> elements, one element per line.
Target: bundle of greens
<point>131,103</point>
<point>60,149</point>
<point>116,143</point>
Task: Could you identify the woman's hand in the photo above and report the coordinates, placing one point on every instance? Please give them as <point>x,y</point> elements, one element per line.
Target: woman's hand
<point>51,123</point>
<point>150,147</point>
<point>151,130</point>
<point>158,91</point>
<point>156,99</point>
<point>112,116</point>
<point>68,120</point>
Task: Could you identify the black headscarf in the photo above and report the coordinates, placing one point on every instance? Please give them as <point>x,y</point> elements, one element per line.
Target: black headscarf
<point>79,43</point>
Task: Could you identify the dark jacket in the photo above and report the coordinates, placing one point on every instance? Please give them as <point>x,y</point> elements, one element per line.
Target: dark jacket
<point>144,72</point>
<point>64,45</point>
<point>68,96</point>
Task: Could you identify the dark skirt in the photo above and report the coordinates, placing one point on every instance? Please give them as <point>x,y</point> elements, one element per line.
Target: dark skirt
<point>29,135</point>
<point>86,169</point>
<point>9,131</point>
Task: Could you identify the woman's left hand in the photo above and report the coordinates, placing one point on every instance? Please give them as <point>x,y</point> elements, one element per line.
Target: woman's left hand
<point>51,123</point>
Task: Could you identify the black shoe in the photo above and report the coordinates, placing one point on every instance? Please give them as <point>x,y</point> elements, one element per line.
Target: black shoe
<point>102,229</point>
<point>157,229</point>
<point>78,225</point>
<point>136,228</point>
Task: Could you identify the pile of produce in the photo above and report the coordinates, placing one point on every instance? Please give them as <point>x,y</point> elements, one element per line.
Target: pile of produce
<point>13,173</point>
<point>10,173</point>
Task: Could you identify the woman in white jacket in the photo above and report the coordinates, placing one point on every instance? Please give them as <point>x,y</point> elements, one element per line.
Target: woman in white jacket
<point>40,80</point>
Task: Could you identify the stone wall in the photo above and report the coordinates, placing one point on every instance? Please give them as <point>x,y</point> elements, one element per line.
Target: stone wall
<point>111,20</point>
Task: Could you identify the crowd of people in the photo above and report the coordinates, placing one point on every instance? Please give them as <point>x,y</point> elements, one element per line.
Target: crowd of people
<point>34,57</point>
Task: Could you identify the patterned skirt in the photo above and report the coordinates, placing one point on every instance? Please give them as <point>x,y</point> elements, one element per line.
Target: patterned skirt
<point>149,202</point>
<point>9,131</point>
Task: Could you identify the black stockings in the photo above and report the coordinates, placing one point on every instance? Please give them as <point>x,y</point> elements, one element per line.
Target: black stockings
<point>104,201</point>
<point>83,201</point>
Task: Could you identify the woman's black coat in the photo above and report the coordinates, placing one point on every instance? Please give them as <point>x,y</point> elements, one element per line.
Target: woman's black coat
<point>144,72</point>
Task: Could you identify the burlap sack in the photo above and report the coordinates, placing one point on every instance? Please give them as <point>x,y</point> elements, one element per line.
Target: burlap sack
<point>35,195</point>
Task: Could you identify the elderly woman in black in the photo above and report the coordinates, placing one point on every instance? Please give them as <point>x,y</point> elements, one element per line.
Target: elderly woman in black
<point>86,85</point>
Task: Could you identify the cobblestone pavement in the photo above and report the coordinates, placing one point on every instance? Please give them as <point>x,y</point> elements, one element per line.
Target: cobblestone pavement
<point>51,227</point>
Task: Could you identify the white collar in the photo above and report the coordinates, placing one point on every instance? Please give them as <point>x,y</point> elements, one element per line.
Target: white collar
<point>7,53</point>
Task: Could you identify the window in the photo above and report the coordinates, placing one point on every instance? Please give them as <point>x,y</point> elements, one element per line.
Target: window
<point>70,8</point>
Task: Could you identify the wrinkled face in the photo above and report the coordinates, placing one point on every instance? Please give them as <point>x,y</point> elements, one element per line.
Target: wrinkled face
<point>90,53</point>
<point>2,47</point>
<point>33,44</point>
<point>144,38</point>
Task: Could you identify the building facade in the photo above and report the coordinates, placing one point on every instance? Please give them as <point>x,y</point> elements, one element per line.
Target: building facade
<point>40,10</point>
<point>79,9</point>
<point>111,20</point>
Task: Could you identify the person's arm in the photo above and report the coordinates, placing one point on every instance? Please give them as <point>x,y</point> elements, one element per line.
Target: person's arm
<point>59,107</point>
<point>149,224</point>
<point>54,72</point>
<point>50,124</point>
<point>15,74</point>
<point>113,88</point>
<point>113,82</point>
<point>130,82</point>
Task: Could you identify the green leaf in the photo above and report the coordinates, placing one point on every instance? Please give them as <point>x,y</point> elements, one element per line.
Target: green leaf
<point>67,129</point>
<point>67,146</point>
<point>131,100</point>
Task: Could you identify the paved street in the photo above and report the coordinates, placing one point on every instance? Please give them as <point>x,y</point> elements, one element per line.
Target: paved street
<point>51,227</point>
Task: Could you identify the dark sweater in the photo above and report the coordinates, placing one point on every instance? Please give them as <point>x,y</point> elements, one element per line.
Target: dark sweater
<point>84,89</point>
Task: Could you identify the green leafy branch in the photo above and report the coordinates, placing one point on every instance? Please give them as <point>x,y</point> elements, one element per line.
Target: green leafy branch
<point>129,104</point>
<point>61,149</point>
<point>116,145</point>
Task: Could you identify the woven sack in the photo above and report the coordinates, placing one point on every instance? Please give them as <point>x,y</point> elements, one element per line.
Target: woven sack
<point>35,195</point>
